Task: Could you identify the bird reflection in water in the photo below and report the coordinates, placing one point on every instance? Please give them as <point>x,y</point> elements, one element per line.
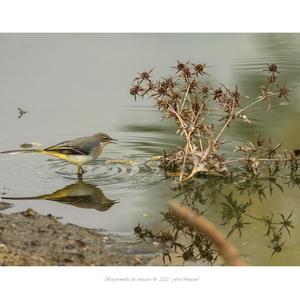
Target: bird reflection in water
<point>80,195</point>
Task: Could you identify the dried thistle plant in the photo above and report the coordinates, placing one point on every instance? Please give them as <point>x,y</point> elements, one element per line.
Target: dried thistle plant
<point>189,100</point>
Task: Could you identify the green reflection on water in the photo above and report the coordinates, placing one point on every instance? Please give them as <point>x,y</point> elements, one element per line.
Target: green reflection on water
<point>249,212</point>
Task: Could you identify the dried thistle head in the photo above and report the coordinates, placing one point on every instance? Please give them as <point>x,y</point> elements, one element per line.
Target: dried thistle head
<point>218,93</point>
<point>283,91</point>
<point>180,66</point>
<point>205,90</point>
<point>144,76</point>
<point>136,90</point>
<point>199,69</point>
<point>193,85</point>
<point>272,68</point>
<point>296,152</point>
<point>186,72</point>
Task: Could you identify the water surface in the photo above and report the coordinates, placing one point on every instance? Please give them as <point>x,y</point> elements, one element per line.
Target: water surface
<point>78,84</point>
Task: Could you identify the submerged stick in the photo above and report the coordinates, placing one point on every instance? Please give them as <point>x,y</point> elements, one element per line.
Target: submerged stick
<point>227,251</point>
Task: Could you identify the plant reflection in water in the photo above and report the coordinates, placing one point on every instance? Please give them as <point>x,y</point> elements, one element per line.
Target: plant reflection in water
<point>232,199</point>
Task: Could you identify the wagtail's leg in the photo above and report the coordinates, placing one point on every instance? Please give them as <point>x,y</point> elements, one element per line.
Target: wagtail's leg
<point>80,170</point>
<point>79,176</point>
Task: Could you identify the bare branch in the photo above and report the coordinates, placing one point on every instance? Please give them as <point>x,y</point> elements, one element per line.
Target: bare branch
<point>226,249</point>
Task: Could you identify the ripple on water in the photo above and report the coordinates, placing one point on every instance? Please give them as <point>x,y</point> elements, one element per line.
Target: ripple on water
<point>29,175</point>
<point>138,172</point>
<point>25,170</point>
<point>259,63</point>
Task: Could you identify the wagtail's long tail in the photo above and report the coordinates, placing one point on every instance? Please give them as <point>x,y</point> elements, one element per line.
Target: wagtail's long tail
<point>24,151</point>
<point>22,198</point>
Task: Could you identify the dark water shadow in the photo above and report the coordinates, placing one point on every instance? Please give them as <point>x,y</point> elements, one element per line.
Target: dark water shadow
<point>80,194</point>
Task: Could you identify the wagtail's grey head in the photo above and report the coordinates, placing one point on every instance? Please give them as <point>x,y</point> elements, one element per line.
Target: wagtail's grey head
<point>104,138</point>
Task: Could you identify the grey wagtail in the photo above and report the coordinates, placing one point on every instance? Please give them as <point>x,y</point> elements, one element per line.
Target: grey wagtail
<point>77,151</point>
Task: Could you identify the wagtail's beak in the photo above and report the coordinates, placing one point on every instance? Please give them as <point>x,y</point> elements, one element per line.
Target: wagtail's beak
<point>113,140</point>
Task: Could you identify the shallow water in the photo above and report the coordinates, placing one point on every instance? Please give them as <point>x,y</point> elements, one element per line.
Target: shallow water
<point>78,84</point>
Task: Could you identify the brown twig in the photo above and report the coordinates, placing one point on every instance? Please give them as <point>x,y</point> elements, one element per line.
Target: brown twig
<point>258,99</point>
<point>184,161</point>
<point>183,125</point>
<point>227,250</point>
<point>226,124</point>
<point>185,97</point>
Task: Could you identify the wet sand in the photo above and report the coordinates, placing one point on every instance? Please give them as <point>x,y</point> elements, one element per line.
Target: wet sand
<point>31,239</point>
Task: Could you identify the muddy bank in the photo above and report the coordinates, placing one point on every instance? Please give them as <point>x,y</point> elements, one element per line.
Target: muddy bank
<point>28,238</point>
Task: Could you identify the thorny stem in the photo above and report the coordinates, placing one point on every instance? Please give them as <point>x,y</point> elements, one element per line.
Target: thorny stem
<point>259,99</point>
<point>270,86</point>
<point>226,124</point>
<point>185,97</point>
<point>198,131</point>
<point>198,114</point>
<point>251,104</point>
<point>200,140</point>
<point>183,125</point>
<point>184,161</point>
